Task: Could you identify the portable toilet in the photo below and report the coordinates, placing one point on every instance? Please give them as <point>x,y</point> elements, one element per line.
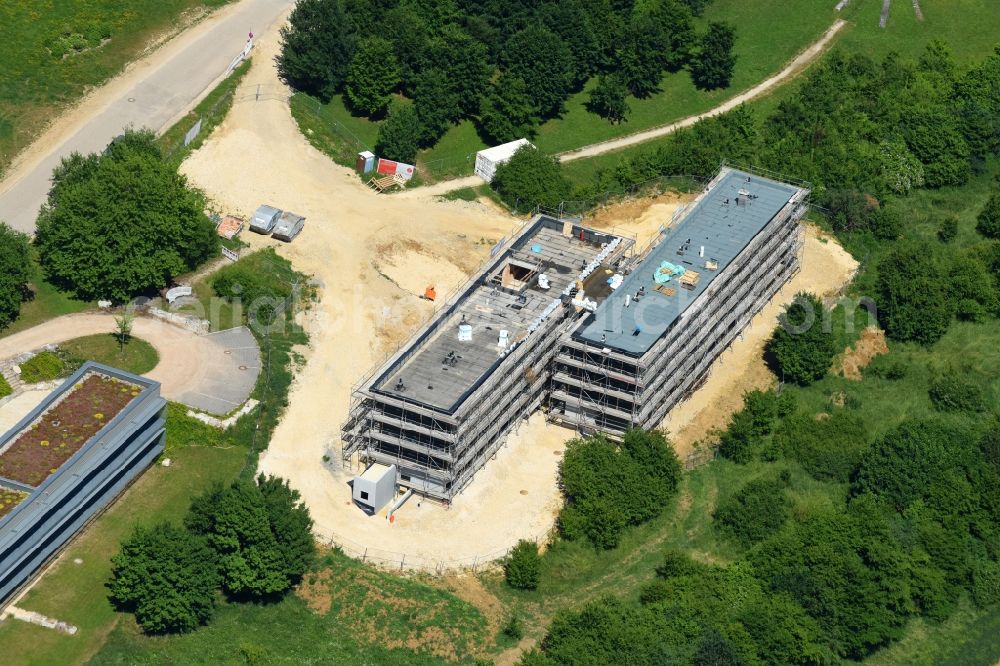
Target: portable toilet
<point>365,162</point>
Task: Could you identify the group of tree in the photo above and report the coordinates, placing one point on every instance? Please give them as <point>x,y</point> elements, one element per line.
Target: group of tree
<point>508,66</point>
<point>610,486</point>
<point>121,223</point>
<point>917,530</point>
<point>15,272</point>
<point>252,540</point>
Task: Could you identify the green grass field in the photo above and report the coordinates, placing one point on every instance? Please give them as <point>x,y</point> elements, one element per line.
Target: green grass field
<point>136,356</point>
<point>55,51</point>
<point>75,593</point>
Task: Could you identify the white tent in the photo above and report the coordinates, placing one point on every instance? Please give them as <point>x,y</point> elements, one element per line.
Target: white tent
<point>488,159</point>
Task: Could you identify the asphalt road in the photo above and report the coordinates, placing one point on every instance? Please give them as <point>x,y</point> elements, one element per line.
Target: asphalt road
<point>167,86</point>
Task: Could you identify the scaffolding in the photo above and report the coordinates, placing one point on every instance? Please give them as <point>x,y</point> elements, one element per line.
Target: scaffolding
<point>440,407</point>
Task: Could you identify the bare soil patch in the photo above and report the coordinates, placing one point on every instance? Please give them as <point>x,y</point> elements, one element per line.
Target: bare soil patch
<point>856,358</point>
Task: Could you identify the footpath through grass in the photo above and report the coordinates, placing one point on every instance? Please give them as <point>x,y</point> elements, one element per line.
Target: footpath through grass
<point>53,52</point>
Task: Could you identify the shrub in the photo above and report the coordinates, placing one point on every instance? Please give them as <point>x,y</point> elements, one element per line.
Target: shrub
<point>948,230</point>
<point>829,450</point>
<point>755,512</point>
<point>521,568</point>
<point>748,427</point>
<point>400,136</point>
<point>986,583</point>
<point>513,627</point>
<point>42,367</point>
<point>953,392</point>
<point>988,221</point>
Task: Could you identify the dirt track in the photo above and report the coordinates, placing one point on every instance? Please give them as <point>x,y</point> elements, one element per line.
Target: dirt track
<point>373,255</point>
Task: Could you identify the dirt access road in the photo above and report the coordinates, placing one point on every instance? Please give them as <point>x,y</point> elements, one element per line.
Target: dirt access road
<point>152,92</point>
<point>799,63</point>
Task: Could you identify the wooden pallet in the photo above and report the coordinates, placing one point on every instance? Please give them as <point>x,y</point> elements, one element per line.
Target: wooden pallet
<point>386,183</point>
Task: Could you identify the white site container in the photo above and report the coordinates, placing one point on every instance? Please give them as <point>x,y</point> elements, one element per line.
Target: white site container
<point>488,159</point>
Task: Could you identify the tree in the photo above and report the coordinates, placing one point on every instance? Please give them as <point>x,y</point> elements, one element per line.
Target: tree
<point>608,488</point>
<point>316,47</point>
<point>464,66</point>
<point>545,64</point>
<point>912,299</point>
<point>257,536</point>
<point>507,113</point>
<point>167,577</point>
<point>607,99</point>
<point>372,76</point>
<point>122,223</point>
<point>399,137</point>
<point>988,220</point>
<point>530,178</point>
<point>800,350</point>
<point>641,56</point>
<point>521,568</point>
<point>748,428</point>
<point>713,66</point>
<point>15,271</point>
<point>123,328</point>
<point>291,525</point>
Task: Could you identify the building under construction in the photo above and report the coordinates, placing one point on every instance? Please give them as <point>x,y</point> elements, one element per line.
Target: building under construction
<point>571,319</point>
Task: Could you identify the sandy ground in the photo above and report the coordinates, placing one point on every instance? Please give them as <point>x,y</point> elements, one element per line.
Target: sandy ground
<point>373,256</point>
<point>185,358</point>
<point>826,268</point>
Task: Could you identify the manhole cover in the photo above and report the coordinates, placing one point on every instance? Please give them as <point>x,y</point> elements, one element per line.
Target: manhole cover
<point>131,99</point>
<point>243,367</point>
<point>524,492</point>
<point>557,452</point>
<point>228,351</point>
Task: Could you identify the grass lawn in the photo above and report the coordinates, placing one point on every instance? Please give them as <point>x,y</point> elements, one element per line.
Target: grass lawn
<point>75,593</point>
<point>46,302</point>
<point>54,51</point>
<point>137,356</point>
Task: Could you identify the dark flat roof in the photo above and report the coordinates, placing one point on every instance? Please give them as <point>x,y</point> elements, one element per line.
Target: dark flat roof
<point>723,229</point>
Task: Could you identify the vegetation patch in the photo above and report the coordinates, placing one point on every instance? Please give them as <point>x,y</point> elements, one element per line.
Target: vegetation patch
<point>9,499</point>
<point>63,429</point>
<point>135,355</point>
<point>392,611</point>
<point>5,389</point>
<point>42,367</point>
